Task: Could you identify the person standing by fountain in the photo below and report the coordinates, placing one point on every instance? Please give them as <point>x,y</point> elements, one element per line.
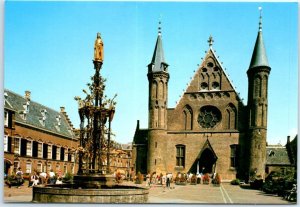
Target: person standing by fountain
<point>19,176</point>
<point>43,177</point>
<point>52,177</point>
<point>148,180</point>
<point>34,179</point>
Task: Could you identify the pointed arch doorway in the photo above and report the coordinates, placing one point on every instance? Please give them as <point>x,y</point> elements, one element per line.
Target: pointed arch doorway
<point>205,161</point>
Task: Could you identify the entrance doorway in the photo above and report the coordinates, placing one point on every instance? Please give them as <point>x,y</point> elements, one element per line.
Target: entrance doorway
<point>205,161</point>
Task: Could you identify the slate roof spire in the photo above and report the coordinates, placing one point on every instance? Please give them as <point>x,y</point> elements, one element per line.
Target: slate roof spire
<point>259,56</point>
<point>158,62</point>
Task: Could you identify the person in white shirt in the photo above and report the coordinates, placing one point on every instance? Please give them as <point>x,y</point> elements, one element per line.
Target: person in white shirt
<point>59,181</point>
<point>43,177</point>
<point>52,177</point>
<point>34,179</point>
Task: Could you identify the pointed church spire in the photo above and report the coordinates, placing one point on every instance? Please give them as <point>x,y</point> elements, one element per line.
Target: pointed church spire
<point>158,62</point>
<point>259,56</point>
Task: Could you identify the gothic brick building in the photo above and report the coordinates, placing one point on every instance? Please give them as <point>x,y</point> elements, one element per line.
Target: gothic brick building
<point>210,129</point>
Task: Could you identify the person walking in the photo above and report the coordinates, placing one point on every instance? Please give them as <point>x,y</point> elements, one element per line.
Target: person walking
<point>169,179</point>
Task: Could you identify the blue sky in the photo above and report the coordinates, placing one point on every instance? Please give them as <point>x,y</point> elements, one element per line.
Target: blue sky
<point>48,49</point>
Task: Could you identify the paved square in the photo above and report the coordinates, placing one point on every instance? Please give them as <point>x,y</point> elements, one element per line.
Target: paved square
<point>224,194</point>
<point>201,194</point>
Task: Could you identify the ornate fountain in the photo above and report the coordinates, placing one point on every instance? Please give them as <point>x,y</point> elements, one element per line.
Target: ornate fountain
<point>95,111</point>
<point>94,182</point>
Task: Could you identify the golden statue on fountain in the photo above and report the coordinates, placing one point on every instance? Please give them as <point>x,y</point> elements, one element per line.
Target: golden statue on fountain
<point>98,49</point>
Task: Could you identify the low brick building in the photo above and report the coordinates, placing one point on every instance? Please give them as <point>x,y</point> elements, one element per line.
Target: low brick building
<point>282,158</point>
<point>37,137</point>
<point>210,130</point>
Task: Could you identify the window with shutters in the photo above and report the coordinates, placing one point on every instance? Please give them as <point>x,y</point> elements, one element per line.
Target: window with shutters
<point>29,148</point>
<point>233,155</point>
<point>66,155</point>
<point>58,153</point>
<point>5,118</point>
<point>17,145</point>
<point>5,142</point>
<point>180,155</point>
<point>40,150</point>
<point>49,156</point>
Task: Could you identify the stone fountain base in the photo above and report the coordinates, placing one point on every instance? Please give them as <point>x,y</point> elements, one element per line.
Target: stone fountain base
<point>93,180</point>
<point>66,193</point>
<point>90,188</point>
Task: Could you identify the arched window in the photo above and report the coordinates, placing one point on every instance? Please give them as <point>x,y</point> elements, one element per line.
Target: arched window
<point>231,117</point>
<point>155,110</point>
<point>187,118</point>
<point>165,91</point>
<point>154,89</point>
<point>160,89</point>
<point>265,83</point>
<point>257,86</point>
<point>228,118</point>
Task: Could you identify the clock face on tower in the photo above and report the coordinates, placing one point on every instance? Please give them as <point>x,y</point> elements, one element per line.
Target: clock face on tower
<point>209,117</point>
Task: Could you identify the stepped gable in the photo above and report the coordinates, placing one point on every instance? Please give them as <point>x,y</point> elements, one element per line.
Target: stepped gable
<point>210,72</point>
<point>211,78</point>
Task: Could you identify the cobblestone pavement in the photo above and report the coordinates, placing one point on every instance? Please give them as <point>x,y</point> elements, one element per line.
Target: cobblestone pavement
<point>209,194</point>
<point>200,194</point>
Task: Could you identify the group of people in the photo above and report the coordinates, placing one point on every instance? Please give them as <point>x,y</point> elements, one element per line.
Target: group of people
<point>45,178</point>
<point>166,179</point>
<point>161,179</point>
<point>35,178</point>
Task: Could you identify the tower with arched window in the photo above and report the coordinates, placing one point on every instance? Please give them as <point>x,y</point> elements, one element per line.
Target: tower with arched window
<point>158,78</point>
<point>258,74</point>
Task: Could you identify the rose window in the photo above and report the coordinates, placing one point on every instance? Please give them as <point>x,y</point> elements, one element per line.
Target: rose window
<point>209,117</point>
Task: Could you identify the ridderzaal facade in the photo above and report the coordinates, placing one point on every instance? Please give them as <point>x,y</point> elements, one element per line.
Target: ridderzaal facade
<point>210,130</point>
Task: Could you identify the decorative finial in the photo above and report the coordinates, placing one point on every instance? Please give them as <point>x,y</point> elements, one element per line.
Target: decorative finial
<point>260,18</point>
<point>159,25</point>
<point>210,41</point>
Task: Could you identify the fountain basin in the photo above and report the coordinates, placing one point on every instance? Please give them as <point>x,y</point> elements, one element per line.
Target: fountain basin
<point>68,193</point>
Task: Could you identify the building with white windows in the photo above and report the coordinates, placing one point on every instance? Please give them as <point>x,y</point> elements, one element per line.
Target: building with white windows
<point>37,137</point>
